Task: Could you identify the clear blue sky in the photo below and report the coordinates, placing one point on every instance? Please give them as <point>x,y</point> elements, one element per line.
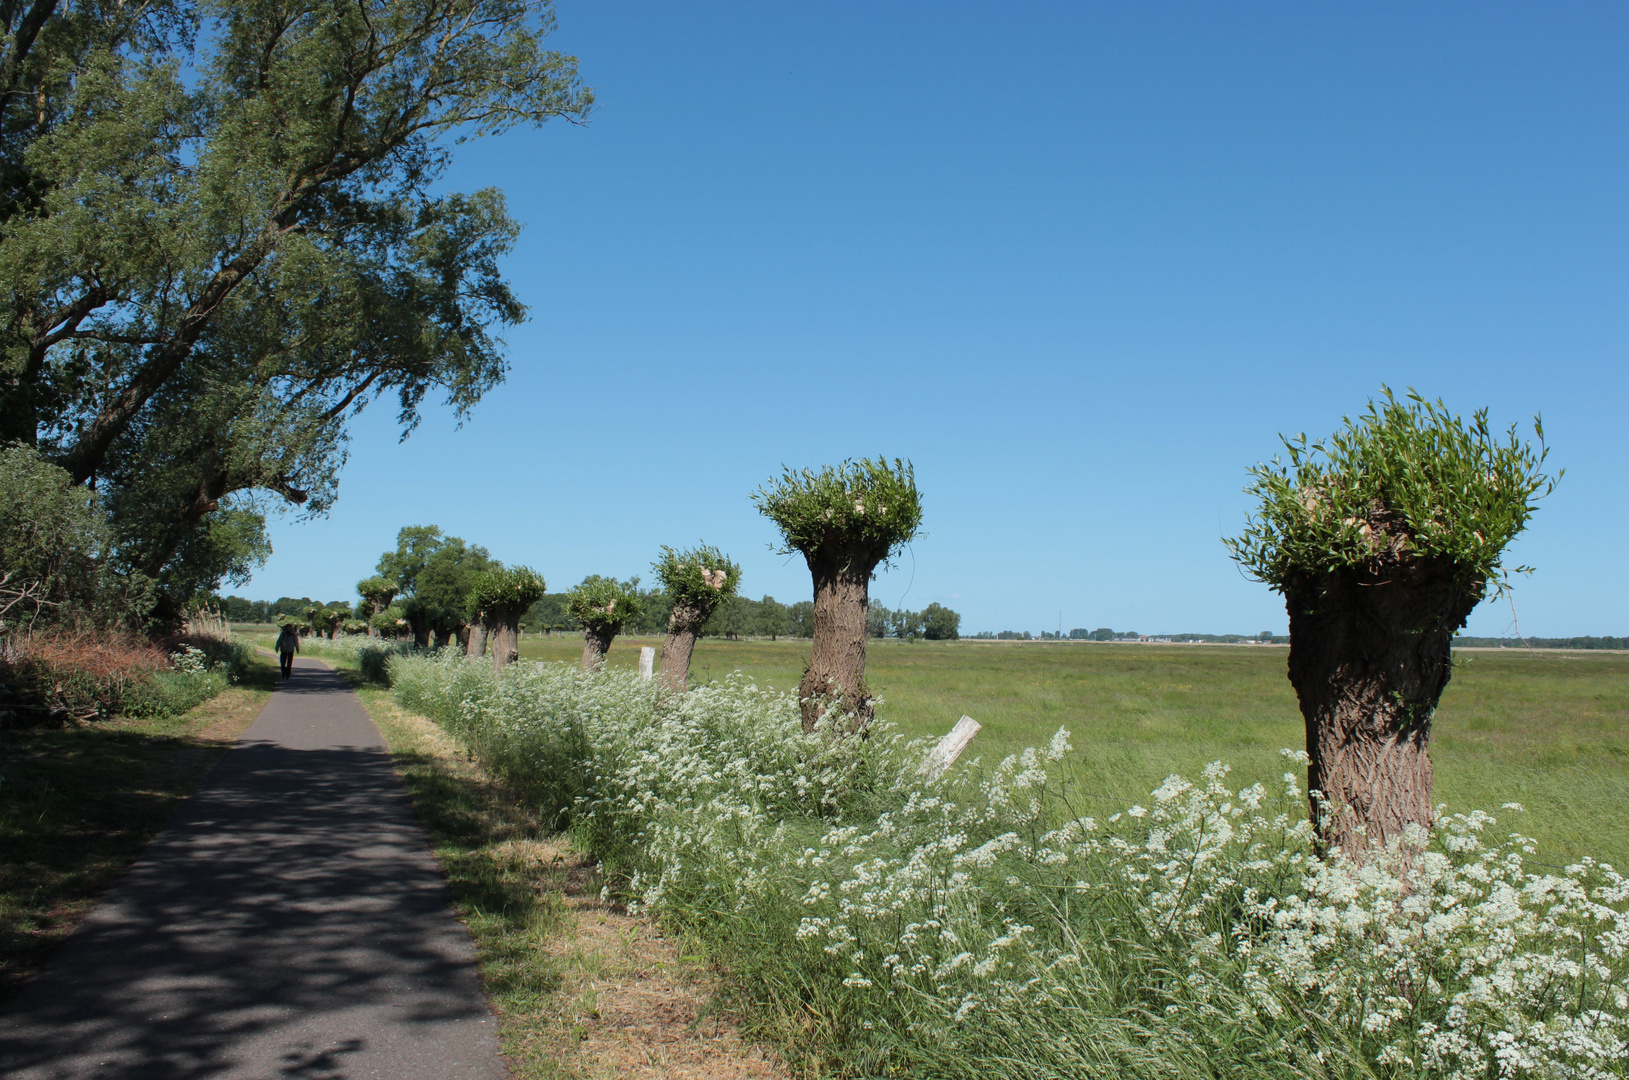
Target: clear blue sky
<point>1079,262</point>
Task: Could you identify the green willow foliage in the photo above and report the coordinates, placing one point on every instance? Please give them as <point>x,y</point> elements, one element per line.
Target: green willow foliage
<point>517,586</point>
<point>865,506</point>
<point>697,577</point>
<point>604,604</point>
<point>1405,480</point>
<point>225,236</point>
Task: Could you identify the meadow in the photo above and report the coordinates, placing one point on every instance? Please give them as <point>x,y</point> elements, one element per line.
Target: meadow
<point>1548,729</point>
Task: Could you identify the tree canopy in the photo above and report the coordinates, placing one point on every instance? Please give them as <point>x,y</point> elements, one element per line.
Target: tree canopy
<point>863,510</point>
<point>221,235</point>
<point>604,604</point>
<point>699,578</point>
<point>1404,481</point>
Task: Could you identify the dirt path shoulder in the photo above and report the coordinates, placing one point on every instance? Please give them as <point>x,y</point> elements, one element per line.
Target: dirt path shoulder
<point>583,989</point>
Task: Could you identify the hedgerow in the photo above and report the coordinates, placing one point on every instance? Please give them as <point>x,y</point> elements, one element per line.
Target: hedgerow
<point>881,924</point>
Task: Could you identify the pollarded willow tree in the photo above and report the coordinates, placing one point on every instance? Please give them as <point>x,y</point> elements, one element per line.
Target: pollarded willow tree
<point>498,599</point>
<point>603,606</point>
<point>845,521</point>
<point>376,592</point>
<point>697,580</point>
<point>1381,540</point>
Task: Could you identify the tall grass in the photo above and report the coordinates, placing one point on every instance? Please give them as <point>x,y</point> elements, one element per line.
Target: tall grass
<point>988,924</point>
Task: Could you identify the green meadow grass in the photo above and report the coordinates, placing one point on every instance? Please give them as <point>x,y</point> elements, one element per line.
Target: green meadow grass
<point>1548,729</point>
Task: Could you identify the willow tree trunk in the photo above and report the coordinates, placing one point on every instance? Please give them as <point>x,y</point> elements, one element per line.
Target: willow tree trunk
<point>442,637</point>
<point>419,623</point>
<point>504,635</point>
<point>596,643</point>
<point>477,637</point>
<point>837,652</point>
<point>1369,658</point>
<point>682,627</point>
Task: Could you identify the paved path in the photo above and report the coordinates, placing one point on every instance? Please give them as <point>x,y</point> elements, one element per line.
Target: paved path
<point>290,922</point>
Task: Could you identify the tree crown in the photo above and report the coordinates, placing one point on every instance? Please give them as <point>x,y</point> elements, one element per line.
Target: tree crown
<point>699,577</point>
<point>604,604</point>
<point>1406,481</point>
<point>377,590</point>
<point>516,586</point>
<point>863,510</point>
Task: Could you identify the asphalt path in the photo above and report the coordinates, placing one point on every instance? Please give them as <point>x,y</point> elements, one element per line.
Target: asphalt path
<point>289,922</point>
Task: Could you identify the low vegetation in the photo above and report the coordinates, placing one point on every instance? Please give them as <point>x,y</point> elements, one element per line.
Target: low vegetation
<point>79,801</point>
<point>988,924</point>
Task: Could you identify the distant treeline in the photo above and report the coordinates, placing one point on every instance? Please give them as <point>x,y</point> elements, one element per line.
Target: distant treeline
<point>1103,633</point>
<point>1542,643</point>
<point>238,610</point>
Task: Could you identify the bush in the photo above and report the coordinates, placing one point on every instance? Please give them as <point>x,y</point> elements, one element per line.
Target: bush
<point>50,678</point>
<point>980,926</point>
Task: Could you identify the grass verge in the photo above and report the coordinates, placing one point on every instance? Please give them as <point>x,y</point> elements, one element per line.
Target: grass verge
<point>582,988</point>
<point>79,802</point>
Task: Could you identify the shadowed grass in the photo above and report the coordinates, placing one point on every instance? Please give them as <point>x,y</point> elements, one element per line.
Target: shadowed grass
<point>1548,729</point>
<point>79,802</point>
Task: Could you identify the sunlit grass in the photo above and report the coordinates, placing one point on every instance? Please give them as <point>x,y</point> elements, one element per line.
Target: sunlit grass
<point>1548,729</point>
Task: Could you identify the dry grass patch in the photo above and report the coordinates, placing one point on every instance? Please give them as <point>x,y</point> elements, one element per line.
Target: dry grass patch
<point>582,988</point>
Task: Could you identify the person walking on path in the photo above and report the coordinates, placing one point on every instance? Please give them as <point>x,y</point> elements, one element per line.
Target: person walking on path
<point>288,643</point>
<point>290,921</point>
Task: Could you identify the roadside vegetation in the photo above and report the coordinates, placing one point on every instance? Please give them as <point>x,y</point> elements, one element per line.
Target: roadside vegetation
<point>873,922</point>
<point>79,801</point>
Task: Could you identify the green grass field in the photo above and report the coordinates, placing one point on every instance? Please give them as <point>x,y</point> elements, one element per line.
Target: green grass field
<point>1546,729</point>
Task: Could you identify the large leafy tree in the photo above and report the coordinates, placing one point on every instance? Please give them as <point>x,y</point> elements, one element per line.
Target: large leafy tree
<point>221,234</point>
<point>1382,539</point>
<point>433,574</point>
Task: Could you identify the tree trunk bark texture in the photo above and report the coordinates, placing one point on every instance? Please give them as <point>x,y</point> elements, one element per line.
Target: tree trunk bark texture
<point>420,625</point>
<point>1369,659</point>
<point>596,643</point>
<point>477,638</point>
<point>837,652</point>
<point>503,634</point>
<point>679,645</point>
<point>441,637</point>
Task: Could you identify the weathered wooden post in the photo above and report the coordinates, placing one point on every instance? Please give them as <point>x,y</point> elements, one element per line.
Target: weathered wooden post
<point>647,662</point>
<point>942,756</point>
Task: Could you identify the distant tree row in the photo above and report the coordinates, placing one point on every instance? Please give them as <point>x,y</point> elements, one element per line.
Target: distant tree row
<point>1542,643</point>
<point>934,622</point>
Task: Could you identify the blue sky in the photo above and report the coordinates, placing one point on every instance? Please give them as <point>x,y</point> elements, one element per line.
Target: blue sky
<point>1080,263</point>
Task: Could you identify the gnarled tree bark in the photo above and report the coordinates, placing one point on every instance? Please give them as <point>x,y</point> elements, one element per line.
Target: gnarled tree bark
<point>1369,659</point>
<point>842,595</point>
<point>682,627</point>
<point>503,634</point>
<point>476,645</point>
<point>596,643</point>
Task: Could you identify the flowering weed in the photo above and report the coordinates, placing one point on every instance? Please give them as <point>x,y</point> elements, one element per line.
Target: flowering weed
<point>981,925</point>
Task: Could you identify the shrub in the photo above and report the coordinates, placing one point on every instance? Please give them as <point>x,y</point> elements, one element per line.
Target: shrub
<point>83,675</point>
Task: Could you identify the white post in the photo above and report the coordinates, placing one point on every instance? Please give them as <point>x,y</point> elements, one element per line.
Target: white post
<point>942,756</point>
<point>647,662</point>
